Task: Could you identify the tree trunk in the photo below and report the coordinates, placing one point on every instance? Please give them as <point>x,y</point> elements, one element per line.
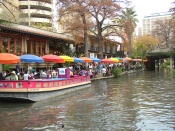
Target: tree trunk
<point>130,46</point>
<point>85,35</point>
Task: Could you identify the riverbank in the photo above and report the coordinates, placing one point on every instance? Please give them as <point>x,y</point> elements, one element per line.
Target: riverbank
<point>100,75</point>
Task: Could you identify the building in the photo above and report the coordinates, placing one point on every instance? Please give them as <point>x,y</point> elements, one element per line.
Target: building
<point>148,22</point>
<point>36,13</point>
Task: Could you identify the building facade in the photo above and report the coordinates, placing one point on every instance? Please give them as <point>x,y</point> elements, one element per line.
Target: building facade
<point>36,13</point>
<point>148,22</point>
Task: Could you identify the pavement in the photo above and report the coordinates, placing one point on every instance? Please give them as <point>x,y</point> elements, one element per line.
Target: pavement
<point>99,76</point>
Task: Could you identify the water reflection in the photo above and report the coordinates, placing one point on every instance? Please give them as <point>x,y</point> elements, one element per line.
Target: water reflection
<point>139,101</point>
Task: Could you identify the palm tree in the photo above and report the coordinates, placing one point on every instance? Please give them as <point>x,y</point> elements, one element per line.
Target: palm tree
<point>128,21</point>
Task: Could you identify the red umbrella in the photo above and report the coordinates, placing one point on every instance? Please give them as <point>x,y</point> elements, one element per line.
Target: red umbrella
<point>53,58</point>
<point>107,61</point>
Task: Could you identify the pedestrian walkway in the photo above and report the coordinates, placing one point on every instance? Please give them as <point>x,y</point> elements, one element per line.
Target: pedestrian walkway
<point>100,75</point>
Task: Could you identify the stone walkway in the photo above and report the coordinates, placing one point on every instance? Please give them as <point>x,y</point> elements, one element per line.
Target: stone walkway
<point>100,75</point>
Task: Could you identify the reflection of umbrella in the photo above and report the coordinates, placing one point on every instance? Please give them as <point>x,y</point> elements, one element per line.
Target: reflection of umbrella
<point>95,59</point>
<point>78,60</point>
<point>86,59</point>
<point>53,58</point>
<point>7,58</point>
<point>67,58</point>
<point>126,59</point>
<point>107,61</point>
<point>114,59</point>
<point>119,58</point>
<point>29,58</point>
<point>137,60</point>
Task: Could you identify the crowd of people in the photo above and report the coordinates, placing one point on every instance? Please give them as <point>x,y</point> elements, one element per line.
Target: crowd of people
<point>27,74</point>
<point>83,69</point>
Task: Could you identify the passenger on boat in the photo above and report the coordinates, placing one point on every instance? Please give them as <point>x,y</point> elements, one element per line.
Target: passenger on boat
<point>7,75</point>
<point>13,76</point>
<point>21,76</point>
<point>54,74</point>
<point>26,75</point>
<point>29,68</point>
<point>49,74</point>
<point>31,75</point>
<point>18,69</point>
<point>1,77</point>
<point>43,74</point>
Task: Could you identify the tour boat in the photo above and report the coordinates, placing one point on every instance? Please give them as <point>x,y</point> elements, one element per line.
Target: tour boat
<point>41,89</point>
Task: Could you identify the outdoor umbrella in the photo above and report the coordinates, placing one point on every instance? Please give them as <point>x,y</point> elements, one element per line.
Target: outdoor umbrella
<point>107,61</point>
<point>95,59</point>
<point>86,59</point>
<point>67,58</point>
<point>78,60</point>
<point>114,59</point>
<point>8,58</point>
<point>29,58</point>
<point>53,58</point>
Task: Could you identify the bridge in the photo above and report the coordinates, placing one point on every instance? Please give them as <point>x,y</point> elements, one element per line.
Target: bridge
<point>159,53</point>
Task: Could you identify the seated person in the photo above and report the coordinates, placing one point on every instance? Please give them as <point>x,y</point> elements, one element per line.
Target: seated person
<point>1,77</point>
<point>49,75</point>
<point>54,74</point>
<point>26,75</point>
<point>31,76</point>
<point>21,76</point>
<point>13,76</point>
<point>7,75</point>
<point>43,74</point>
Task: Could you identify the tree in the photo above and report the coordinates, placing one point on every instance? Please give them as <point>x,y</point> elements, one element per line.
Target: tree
<point>98,10</point>
<point>75,16</point>
<point>128,22</point>
<point>164,30</point>
<point>101,11</point>
<point>142,45</point>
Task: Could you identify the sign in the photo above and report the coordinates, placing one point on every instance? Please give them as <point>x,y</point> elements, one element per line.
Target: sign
<point>62,71</point>
<point>91,55</point>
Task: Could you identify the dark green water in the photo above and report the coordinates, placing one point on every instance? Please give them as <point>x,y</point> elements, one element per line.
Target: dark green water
<point>143,101</point>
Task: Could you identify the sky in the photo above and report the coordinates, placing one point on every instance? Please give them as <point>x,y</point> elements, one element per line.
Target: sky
<point>147,7</point>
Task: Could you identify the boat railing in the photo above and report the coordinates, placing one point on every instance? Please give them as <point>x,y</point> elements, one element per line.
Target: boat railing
<point>41,83</point>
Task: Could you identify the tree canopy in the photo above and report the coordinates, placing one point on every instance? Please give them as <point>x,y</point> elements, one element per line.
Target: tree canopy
<point>142,45</point>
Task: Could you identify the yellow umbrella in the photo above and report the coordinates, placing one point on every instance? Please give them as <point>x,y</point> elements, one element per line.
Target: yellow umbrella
<point>67,58</point>
<point>114,59</point>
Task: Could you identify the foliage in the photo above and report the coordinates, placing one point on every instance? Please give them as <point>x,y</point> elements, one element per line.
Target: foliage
<point>117,72</point>
<point>142,45</point>
<point>85,12</point>
<point>173,72</point>
<point>167,63</point>
<point>128,21</point>
<point>5,67</point>
<point>164,31</point>
<point>163,65</point>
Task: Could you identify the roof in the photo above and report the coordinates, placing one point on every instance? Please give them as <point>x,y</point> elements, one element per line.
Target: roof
<point>36,31</point>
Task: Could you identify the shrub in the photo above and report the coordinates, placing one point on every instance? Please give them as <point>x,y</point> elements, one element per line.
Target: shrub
<point>173,73</point>
<point>6,67</point>
<point>164,65</point>
<point>117,72</point>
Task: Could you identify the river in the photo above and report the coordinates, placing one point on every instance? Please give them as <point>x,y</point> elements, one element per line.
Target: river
<point>141,101</point>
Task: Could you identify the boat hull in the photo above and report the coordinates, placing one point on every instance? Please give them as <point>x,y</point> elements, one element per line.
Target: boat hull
<point>48,89</point>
